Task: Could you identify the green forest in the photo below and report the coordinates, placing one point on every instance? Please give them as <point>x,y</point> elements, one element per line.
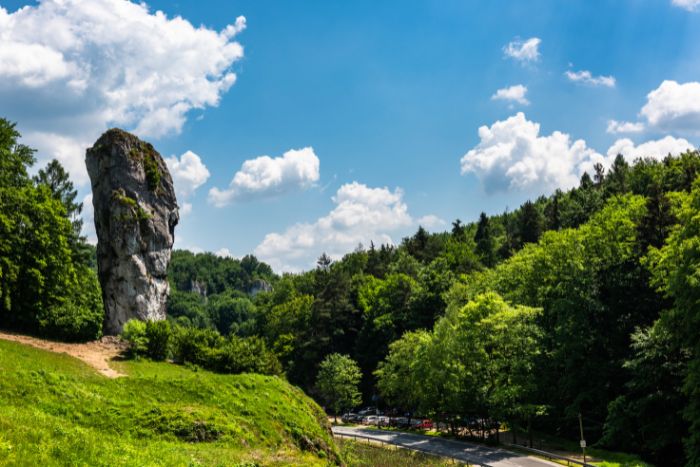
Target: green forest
<point>581,302</point>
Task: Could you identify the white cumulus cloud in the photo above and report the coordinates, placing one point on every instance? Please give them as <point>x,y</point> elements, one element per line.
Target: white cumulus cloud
<point>513,154</point>
<point>674,107</point>
<point>71,69</point>
<point>523,51</point>
<point>690,5</point>
<point>585,77</point>
<point>361,214</point>
<point>68,150</point>
<point>513,94</point>
<point>185,208</point>
<point>656,149</point>
<point>264,176</point>
<point>188,172</point>
<point>615,127</point>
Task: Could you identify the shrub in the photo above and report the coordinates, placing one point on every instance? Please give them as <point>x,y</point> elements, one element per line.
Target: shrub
<point>208,349</point>
<point>245,355</point>
<point>134,333</point>
<point>203,347</point>
<point>158,339</point>
<point>192,345</point>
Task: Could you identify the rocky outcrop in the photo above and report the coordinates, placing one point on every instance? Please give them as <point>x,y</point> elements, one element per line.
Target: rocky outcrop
<point>259,286</point>
<point>135,217</point>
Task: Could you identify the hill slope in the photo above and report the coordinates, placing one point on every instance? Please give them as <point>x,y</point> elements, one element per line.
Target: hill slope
<point>55,410</point>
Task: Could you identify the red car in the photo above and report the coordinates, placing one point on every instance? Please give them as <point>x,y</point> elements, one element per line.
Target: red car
<point>424,424</point>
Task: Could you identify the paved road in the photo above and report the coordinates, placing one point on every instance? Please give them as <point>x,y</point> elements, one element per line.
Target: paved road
<point>467,452</point>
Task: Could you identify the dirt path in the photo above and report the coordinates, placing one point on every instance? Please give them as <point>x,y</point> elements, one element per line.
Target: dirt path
<point>97,354</point>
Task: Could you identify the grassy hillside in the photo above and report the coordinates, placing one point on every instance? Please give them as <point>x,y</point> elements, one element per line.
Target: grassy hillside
<point>55,410</point>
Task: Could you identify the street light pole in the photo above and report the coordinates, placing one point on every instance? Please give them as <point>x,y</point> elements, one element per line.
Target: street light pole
<point>583,441</point>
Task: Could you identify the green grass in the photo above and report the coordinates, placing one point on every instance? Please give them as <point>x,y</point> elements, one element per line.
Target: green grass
<point>615,459</point>
<point>360,454</point>
<point>55,410</point>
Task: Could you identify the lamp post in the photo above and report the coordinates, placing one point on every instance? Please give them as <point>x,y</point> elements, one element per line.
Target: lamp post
<point>583,441</point>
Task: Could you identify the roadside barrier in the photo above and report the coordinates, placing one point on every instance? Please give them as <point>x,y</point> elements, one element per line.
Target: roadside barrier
<point>452,460</point>
<point>549,455</point>
<point>384,444</point>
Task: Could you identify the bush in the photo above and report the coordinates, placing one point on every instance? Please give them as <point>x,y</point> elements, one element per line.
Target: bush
<point>203,347</point>
<point>208,349</point>
<point>158,339</point>
<point>193,345</point>
<point>134,333</point>
<point>245,355</point>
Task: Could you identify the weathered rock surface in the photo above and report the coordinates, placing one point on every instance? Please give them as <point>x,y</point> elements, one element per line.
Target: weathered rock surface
<point>135,217</point>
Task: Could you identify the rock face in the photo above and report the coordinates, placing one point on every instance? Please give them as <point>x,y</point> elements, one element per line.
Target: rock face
<point>135,217</point>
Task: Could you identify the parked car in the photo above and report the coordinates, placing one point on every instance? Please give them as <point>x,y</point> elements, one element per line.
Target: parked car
<point>349,417</point>
<point>369,420</point>
<point>423,424</point>
<point>383,420</point>
<point>400,422</point>
<point>368,411</point>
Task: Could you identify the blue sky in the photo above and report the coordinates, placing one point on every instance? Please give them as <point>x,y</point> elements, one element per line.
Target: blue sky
<point>388,94</point>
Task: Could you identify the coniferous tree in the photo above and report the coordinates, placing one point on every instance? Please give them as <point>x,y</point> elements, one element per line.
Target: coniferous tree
<point>57,179</point>
<point>530,223</point>
<point>458,229</point>
<point>616,180</point>
<point>484,241</point>
<point>655,226</point>
<point>551,212</point>
<point>586,181</point>
<point>599,175</point>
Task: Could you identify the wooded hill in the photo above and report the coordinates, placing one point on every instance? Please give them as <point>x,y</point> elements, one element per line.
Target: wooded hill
<point>584,301</point>
<point>579,302</point>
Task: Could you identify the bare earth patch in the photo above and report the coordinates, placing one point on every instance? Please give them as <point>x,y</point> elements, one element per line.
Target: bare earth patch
<point>97,354</point>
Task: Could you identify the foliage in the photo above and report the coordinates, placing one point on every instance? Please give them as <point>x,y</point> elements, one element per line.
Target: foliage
<point>337,382</point>
<point>485,242</point>
<point>593,293</point>
<point>647,416</point>
<point>153,175</point>
<point>478,360</point>
<point>397,375</point>
<point>134,332</point>
<point>158,335</point>
<point>216,274</point>
<point>46,285</point>
<point>159,340</point>
<point>676,271</point>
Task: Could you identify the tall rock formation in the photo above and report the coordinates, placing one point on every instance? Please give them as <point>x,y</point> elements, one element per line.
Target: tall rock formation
<point>135,217</point>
